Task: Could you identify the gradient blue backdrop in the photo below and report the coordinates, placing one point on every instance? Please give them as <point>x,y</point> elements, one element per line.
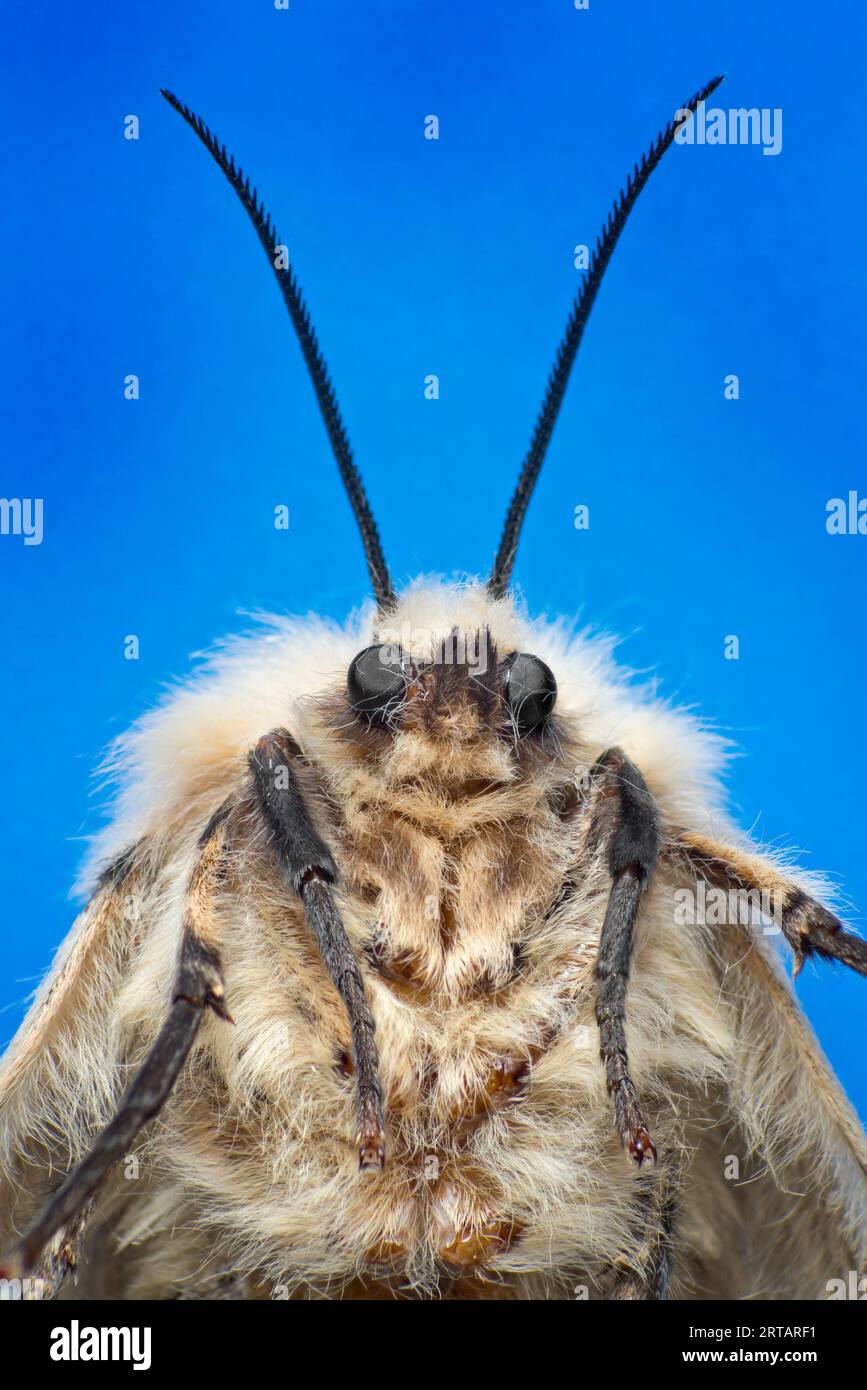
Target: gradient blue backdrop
<point>455,257</point>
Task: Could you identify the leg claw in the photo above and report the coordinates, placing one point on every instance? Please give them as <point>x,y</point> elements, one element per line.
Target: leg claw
<point>371,1152</point>
<point>642,1149</point>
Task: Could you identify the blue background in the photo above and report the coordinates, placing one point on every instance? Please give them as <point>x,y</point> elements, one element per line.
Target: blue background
<point>452,257</point>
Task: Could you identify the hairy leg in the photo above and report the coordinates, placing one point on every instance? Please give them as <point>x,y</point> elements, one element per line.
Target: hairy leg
<point>626,822</point>
<point>198,985</point>
<point>310,868</point>
<point>809,928</point>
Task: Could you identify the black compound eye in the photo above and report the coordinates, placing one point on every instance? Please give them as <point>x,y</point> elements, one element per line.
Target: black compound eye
<point>531,692</point>
<point>376,680</point>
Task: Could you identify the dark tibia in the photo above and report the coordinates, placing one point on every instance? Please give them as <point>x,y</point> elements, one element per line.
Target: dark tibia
<point>629,818</point>
<point>310,869</point>
<point>143,1100</point>
<point>612,972</point>
<point>343,968</point>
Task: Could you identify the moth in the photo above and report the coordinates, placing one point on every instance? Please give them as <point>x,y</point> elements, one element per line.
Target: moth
<point>382,990</point>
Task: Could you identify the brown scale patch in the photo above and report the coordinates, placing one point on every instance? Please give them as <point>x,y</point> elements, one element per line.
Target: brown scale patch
<point>403,970</point>
<point>475,1246</point>
<point>466,1234</point>
<point>344,1065</point>
<point>505,1082</point>
<point>386,1255</point>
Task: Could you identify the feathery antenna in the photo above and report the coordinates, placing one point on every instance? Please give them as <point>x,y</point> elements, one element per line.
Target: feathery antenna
<point>571,341</point>
<point>316,364</point>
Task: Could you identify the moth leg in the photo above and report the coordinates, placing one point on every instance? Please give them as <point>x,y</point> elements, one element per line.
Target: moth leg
<point>626,821</point>
<point>809,928</point>
<point>59,1258</point>
<point>198,985</point>
<point>647,1276</point>
<point>308,865</point>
